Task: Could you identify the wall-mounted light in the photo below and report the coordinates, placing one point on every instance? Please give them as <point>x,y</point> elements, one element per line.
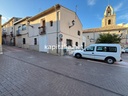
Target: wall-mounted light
<point>121,35</point>
<point>92,40</point>
<point>73,23</point>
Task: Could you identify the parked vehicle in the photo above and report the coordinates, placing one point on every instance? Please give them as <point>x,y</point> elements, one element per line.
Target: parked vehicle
<point>122,50</point>
<point>126,49</point>
<point>110,53</point>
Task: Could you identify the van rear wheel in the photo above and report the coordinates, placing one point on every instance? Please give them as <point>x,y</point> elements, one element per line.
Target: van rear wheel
<point>110,60</point>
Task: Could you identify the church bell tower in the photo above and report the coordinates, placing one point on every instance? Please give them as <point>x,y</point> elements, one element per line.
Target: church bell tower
<point>109,17</point>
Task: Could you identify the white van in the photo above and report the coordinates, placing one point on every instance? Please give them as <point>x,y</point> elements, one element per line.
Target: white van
<point>110,53</point>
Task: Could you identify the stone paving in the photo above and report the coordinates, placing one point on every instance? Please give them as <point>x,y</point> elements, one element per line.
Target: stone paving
<point>30,73</point>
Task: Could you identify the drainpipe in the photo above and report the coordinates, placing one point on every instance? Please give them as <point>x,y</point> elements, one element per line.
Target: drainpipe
<point>57,17</point>
<point>14,35</point>
<point>0,35</point>
<point>127,37</point>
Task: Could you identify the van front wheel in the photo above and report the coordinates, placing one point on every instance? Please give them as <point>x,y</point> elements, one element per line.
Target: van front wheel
<point>78,55</point>
<point>110,60</point>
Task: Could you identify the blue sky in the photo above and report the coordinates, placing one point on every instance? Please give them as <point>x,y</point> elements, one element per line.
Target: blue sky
<point>90,12</point>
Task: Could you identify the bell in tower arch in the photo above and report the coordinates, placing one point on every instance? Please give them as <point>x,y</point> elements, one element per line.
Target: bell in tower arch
<point>108,11</point>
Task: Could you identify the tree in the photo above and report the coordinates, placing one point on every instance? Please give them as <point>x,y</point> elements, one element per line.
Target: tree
<point>108,38</point>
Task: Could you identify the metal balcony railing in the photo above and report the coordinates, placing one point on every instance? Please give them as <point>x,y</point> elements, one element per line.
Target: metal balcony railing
<point>18,33</point>
<point>42,30</point>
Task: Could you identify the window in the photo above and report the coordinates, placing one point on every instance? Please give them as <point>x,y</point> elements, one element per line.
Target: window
<point>24,41</point>
<point>69,42</point>
<point>42,22</point>
<point>90,48</point>
<point>88,37</point>
<point>106,49</point>
<point>101,49</point>
<point>35,41</point>
<point>111,49</point>
<point>76,43</point>
<point>79,33</point>
<point>51,23</point>
<point>83,45</point>
<point>109,22</point>
<point>19,28</point>
<point>24,27</point>
<point>11,34</point>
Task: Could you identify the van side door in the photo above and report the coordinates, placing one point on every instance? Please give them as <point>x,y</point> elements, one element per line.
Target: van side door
<point>100,52</point>
<point>104,51</point>
<point>89,52</point>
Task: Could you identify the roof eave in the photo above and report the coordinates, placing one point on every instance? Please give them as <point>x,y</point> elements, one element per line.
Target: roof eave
<point>8,21</point>
<point>123,28</point>
<point>52,9</point>
<point>21,20</point>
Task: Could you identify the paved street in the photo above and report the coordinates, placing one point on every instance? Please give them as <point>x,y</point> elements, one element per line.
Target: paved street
<point>29,73</point>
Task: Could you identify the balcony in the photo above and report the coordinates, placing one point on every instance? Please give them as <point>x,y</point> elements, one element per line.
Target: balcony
<point>18,33</point>
<point>42,30</point>
<point>11,34</point>
<point>4,35</point>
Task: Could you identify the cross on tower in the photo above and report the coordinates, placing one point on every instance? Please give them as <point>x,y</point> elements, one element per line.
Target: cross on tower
<point>108,2</point>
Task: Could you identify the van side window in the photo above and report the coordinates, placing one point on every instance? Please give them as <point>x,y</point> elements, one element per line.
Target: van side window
<point>111,49</point>
<point>90,48</point>
<point>101,49</point>
<point>106,49</point>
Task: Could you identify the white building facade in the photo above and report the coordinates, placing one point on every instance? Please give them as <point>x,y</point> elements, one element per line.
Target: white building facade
<point>21,33</point>
<point>56,26</point>
<point>8,37</point>
<point>56,30</point>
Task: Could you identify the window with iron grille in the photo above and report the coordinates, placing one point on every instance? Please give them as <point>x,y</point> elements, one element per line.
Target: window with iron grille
<point>51,23</point>
<point>24,41</point>
<point>24,27</point>
<point>76,43</point>
<point>79,33</point>
<point>69,42</point>
<point>35,41</point>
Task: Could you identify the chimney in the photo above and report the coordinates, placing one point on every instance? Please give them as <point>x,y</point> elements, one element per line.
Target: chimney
<point>0,35</point>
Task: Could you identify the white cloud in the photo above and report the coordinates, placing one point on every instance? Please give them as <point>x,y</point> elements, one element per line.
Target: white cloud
<point>124,17</point>
<point>91,2</point>
<point>5,19</point>
<point>117,7</point>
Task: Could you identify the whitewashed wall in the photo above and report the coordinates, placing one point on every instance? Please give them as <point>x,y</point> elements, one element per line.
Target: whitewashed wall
<point>66,18</point>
